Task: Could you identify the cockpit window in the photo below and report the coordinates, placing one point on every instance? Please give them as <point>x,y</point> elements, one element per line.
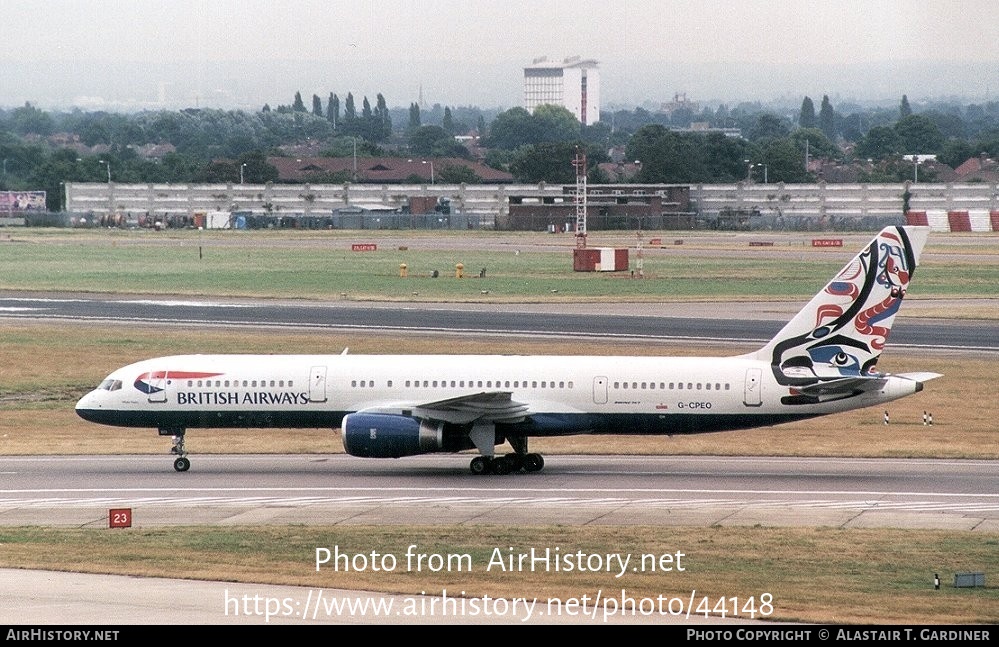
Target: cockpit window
<point>110,385</point>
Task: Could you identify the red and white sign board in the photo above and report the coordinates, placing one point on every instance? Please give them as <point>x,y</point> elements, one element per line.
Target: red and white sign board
<point>120,518</point>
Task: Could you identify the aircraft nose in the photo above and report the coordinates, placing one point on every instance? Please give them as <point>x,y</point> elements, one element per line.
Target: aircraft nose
<point>87,406</point>
<point>83,402</point>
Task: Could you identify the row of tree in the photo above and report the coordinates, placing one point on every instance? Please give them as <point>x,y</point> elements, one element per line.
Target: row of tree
<point>41,150</point>
<point>371,124</point>
<point>212,133</point>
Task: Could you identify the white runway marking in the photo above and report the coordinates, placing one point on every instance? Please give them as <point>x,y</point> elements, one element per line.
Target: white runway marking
<point>191,304</point>
<point>301,501</point>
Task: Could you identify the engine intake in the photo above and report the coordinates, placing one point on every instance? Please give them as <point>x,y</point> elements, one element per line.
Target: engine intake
<point>379,435</point>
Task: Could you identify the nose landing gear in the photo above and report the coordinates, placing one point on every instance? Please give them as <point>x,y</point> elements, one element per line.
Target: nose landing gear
<point>182,463</point>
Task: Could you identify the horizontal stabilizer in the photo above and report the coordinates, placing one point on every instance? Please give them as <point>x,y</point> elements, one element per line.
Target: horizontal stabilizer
<point>854,384</point>
<point>924,376</point>
<point>842,386</point>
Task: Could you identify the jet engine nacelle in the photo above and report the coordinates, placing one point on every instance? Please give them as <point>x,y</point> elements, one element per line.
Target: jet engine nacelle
<point>379,435</point>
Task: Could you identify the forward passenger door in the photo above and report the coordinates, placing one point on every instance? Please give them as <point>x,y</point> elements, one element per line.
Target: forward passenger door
<point>317,384</point>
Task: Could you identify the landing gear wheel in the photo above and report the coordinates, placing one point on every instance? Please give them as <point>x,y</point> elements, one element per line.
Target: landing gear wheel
<point>480,465</point>
<point>182,464</point>
<point>501,465</point>
<point>516,462</point>
<point>533,462</point>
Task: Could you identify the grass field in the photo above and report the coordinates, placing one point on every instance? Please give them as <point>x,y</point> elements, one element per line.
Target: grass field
<point>518,267</point>
<point>815,575</point>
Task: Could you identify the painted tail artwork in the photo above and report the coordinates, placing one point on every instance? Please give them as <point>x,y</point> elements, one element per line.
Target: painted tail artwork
<point>831,348</point>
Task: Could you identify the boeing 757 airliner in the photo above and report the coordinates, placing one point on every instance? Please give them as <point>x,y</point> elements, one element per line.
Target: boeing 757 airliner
<point>823,361</point>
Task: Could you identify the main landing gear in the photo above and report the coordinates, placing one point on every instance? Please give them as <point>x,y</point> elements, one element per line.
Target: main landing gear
<point>519,460</point>
<point>182,463</point>
<point>507,464</point>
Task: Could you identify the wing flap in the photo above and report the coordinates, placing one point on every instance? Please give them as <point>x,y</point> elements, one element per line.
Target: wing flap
<point>486,406</point>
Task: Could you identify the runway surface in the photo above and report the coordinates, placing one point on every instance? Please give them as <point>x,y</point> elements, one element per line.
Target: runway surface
<point>436,489</point>
<point>751,323</point>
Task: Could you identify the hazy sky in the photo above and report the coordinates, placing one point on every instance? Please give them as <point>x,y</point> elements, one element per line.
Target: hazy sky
<point>472,52</point>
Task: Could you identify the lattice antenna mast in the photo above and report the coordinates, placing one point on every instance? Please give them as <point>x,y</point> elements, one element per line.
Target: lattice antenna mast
<point>640,261</point>
<point>580,164</point>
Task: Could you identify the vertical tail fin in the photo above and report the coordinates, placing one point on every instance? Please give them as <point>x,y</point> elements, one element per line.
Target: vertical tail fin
<point>843,329</point>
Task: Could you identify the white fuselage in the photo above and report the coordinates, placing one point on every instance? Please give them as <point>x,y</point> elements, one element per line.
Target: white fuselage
<point>566,394</point>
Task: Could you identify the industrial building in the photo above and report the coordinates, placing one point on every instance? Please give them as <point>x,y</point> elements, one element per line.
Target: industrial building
<point>609,206</point>
<point>540,207</point>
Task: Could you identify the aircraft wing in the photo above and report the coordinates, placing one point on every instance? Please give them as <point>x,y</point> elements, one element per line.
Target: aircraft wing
<point>486,406</point>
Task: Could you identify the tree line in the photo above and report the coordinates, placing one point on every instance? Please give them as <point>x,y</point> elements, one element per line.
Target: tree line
<point>42,150</point>
<point>371,124</point>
